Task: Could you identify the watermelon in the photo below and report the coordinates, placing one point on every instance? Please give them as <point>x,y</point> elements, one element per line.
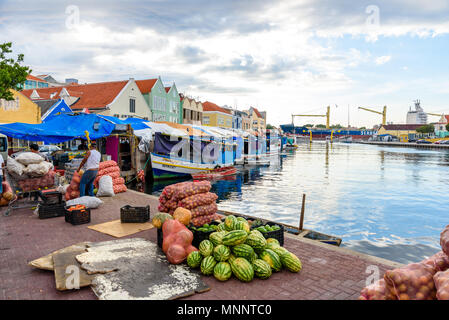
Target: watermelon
<point>229,222</point>
<point>273,240</point>
<point>221,227</point>
<point>194,259</point>
<point>240,225</point>
<point>272,259</point>
<point>208,265</point>
<point>262,269</point>
<point>291,262</point>
<point>235,237</point>
<point>222,271</point>
<point>221,253</point>
<point>206,247</point>
<point>272,245</point>
<point>256,240</point>
<point>242,219</point>
<point>253,257</point>
<point>242,269</point>
<point>231,258</point>
<point>280,250</point>
<point>244,251</point>
<point>217,237</point>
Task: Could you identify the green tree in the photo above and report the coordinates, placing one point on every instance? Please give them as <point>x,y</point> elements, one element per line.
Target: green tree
<point>12,73</point>
<point>308,125</point>
<point>336,126</point>
<point>320,126</point>
<point>269,126</point>
<point>362,128</point>
<point>428,128</point>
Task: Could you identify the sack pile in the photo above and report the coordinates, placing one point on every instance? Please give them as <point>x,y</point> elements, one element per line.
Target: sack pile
<point>73,191</point>
<point>7,194</point>
<point>194,196</point>
<point>31,171</point>
<point>426,280</point>
<point>110,168</point>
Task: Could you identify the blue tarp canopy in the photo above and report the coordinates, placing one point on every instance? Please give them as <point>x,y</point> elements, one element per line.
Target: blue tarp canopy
<point>60,128</point>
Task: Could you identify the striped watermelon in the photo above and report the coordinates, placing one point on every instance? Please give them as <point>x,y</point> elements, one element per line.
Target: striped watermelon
<point>242,219</point>
<point>272,259</point>
<point>221,253</point>
<point>221,227</point>
<point>194,259</point>
<point>273,240</point>
<point>231,258</point>
<point>256,240</point>
<point>244,251</point>
<point>240,225</point>
<point>217,237</point>
<point>234,237</point>
<point>242,269</point>
<point>262,269</point>
<point>291,262</point>
<point>280,250</point>
<point>206,247</point>
<point>222,271</point>
<point>272,245</point>
<point>208,265</point>
<point>229,222</point>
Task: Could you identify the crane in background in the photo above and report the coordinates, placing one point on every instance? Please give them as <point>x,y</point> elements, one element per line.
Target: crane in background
<point>327,115</point>
<point>383,113</point>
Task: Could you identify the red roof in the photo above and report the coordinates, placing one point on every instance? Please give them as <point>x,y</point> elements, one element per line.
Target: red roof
<point>209,106</point>
<point>167,89</point>
<point>257,113</point>
<point>31,77</point>
<point>145,86</point>
<point>91,95</point>
<point>402,126</point>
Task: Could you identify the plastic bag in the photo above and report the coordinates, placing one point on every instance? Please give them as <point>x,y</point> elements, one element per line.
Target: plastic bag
<point>439,261</point>
<point>197,200</point>
<point>107,164</point>
<point>89,202</point>
<point>441,280</point>
<point>108,170</point>
<point>412,282</point>
<point>377,291</point>
<point>27,158</point>
<point>204,210</point>
<point>177,241</point>
<point>444,240</point>
<point>105,188</point>
<point>14,166</point>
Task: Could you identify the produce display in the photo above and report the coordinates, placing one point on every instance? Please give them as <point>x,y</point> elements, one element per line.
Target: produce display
<point>73,191</point>
<point>230,251</point>
<point>159,219</point>
<point>177,243</point>
<point>426,280</point>
<point>110,168</point>
<point>193,196</point>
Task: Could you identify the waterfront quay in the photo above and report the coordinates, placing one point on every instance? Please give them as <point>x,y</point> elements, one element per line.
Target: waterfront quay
<point>328,272</point>
<point>407,144</point>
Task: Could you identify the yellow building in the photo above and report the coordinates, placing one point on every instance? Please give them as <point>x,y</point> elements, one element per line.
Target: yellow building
<point>257,120</point>
<point>215,116</point>
<point>21,109</point>
<point>399,130</point>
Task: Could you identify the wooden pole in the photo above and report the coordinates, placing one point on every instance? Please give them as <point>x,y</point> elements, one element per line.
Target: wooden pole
<point>301,220</point>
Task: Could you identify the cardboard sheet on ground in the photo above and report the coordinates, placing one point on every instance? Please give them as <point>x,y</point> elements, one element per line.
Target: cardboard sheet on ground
<point>117,229</point>
<point>132,269</point>
<point>68,272</point>
<point>46,262</point>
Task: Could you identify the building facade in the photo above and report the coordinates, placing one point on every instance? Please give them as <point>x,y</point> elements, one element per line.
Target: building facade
<point>20,109</point>
<point>216,116</point>
<point>257,120</point>
<point>173,104</point>
<point>33,82</point>
<point>192,110</point>
<point>417,116</point>
<point>398,130</point>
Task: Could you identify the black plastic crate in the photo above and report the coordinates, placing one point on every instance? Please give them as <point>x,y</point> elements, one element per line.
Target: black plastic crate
<point>77,217</point>
<point>277,234</point>
<point>199,236</point>
<point>160,237</point>
<point>51,197</point>
<point>130,214</point>
<point>51,210</point>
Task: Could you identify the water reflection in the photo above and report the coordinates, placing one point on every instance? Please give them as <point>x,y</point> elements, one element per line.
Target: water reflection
<point>389,202</point>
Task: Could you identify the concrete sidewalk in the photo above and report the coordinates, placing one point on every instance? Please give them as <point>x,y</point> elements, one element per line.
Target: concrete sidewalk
<point>328,272</point>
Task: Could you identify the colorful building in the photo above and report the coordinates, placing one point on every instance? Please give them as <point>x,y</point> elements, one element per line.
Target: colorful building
<point>192,110</point>
<point>21,109</point>
<point>161,101</point>
<point>216,116</point>
<point>398,130</point>
<point>258,122</point>
<point>33,82</point>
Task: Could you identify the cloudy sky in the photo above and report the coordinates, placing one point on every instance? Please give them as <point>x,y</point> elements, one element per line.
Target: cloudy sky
<point>281,56</point>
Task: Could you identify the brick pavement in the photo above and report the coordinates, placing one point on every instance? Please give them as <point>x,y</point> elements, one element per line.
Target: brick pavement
<point>328,272</point>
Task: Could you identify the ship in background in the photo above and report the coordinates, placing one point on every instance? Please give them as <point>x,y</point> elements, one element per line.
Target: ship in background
<point>323,134</point>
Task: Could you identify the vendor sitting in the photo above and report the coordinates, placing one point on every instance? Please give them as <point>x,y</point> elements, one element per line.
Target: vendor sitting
<point>91,163</point>
<point>35,149</point>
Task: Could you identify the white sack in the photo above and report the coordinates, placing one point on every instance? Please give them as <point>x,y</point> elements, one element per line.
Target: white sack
<point>14,167</point>
<point>105,187</point>
<point>89,202</point>
<point>38,169</point>
<point>27,158</point>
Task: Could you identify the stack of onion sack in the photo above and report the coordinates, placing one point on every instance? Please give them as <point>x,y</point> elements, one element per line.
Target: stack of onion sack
<point>194,196</point>
<point>426,280</point>
<point>73,191</point>
<point>31,184</point>
<point>235,250</point>
<point>110,168</point>
<point>6,195</point>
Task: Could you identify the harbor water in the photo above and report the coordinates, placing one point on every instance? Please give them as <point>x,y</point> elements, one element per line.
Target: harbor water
<point>389,202</point>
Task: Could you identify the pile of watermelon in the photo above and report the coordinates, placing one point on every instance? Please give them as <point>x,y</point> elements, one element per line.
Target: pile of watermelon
<point>236,250</point>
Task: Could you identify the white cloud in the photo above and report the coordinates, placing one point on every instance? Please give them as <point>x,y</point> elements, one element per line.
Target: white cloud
<point>382,60</point>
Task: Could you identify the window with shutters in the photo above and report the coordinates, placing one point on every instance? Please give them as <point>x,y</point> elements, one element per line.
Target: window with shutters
<point>132,105</point>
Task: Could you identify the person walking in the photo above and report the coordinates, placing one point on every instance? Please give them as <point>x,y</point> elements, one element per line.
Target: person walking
<point>91,163</point>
